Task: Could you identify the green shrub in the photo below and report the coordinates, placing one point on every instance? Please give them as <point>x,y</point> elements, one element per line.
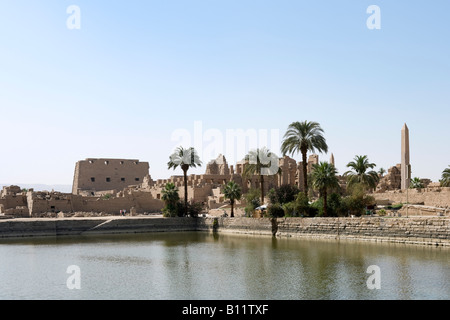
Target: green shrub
<point>356,202</point>
<point>317,206</point>
<point>302,206</point>
<point>173,209</point>
<point>272,196</point>
<point>253,199</point>
<point>283,194</point>
<point>275,210</point>
<point>107,196</point>
<point>397,206</point>
<point>299,207</point>
<point>194,209</point>
<point>178,210</point>
<point>289,209</point>
<point>334,205</point>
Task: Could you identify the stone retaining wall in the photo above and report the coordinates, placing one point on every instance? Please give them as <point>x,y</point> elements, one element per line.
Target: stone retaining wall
<point>414,230</point>
<point>433,230</point>
<point>83,226</point>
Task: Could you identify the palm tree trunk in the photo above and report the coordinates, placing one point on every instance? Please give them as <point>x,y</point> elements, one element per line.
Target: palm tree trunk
<point>261,180</point>
<point>324,193</point>
<point>185,190</point>
<point>305,173</point>
<point>232,208</point>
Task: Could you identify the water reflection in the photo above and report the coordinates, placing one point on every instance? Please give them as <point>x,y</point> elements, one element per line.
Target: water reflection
<point>205,266</point>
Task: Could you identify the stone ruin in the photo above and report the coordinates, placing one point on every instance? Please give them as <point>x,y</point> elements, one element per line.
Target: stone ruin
<point>13,202</point>
<point>218,166</point>
<point>109,185</point>
<point>391,180</point>
<point>207,188</point>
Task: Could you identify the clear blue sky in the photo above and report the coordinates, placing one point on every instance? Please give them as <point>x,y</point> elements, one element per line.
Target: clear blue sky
<point>137,71</point>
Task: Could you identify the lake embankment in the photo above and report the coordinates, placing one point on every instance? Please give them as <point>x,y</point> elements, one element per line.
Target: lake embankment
<point>412,230</point>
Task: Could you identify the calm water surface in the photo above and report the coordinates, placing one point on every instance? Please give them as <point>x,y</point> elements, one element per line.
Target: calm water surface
<point>201,266</point>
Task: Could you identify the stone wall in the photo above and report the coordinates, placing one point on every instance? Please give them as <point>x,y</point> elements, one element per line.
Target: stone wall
<point>434,230</point>
<point>434,197</point>
<point>417,230</point>
<point>256,226</point>
<point>142,202</point>
<point>420,210</point>
<point>84,226</point>
<point>13,201</point>
<point>40,202</point>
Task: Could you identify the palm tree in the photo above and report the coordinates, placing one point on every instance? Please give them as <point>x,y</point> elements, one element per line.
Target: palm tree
<point>170,193</point>
<point>303,137</point>
<point>170,197</point>
<point>445,181</point>
<point>360,173</point>
<point>233,192</point>
<point>381,172</point>
<point>415,183</point>
<point>323,178</point>
<point>261,162</point>
<point>185,158</point>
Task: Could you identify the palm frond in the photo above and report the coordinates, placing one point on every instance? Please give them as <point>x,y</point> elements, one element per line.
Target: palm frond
<point>183,156</point>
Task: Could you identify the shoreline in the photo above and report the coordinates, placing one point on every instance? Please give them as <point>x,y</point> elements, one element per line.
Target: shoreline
<point>424,230</point>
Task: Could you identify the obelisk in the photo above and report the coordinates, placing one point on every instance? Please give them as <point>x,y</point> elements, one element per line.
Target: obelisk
<point>406,167</point>
<point>332,159</point>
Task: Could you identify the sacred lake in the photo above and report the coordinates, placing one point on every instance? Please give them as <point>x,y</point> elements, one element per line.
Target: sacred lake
<point>201,265</point>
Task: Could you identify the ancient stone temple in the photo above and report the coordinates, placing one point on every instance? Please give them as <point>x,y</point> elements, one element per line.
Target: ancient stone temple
<point>94,175</point>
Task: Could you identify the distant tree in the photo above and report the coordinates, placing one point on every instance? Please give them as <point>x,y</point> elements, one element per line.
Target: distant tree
<point>361,173</point>
<point>275,210</point>
<point>357,200</point>
<point>261,162</point>
<point>445,180</point>
<point>381,172</point>
<point>185,158</point>
<point>303,137</point>
<point>233,192</point>
<point>299,207</point>
<point>324,178</point>
<point>415,183</point>
<point>283,194</point>
<point>195,208</point>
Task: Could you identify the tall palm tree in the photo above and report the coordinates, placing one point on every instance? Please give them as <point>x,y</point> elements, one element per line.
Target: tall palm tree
<point>445,181</point>
<point>360,173</point>
<point>233,192</point>
<point>261,162</point>
<point>303,137</point>
<point>323,178</point>
<point>185,158</point>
